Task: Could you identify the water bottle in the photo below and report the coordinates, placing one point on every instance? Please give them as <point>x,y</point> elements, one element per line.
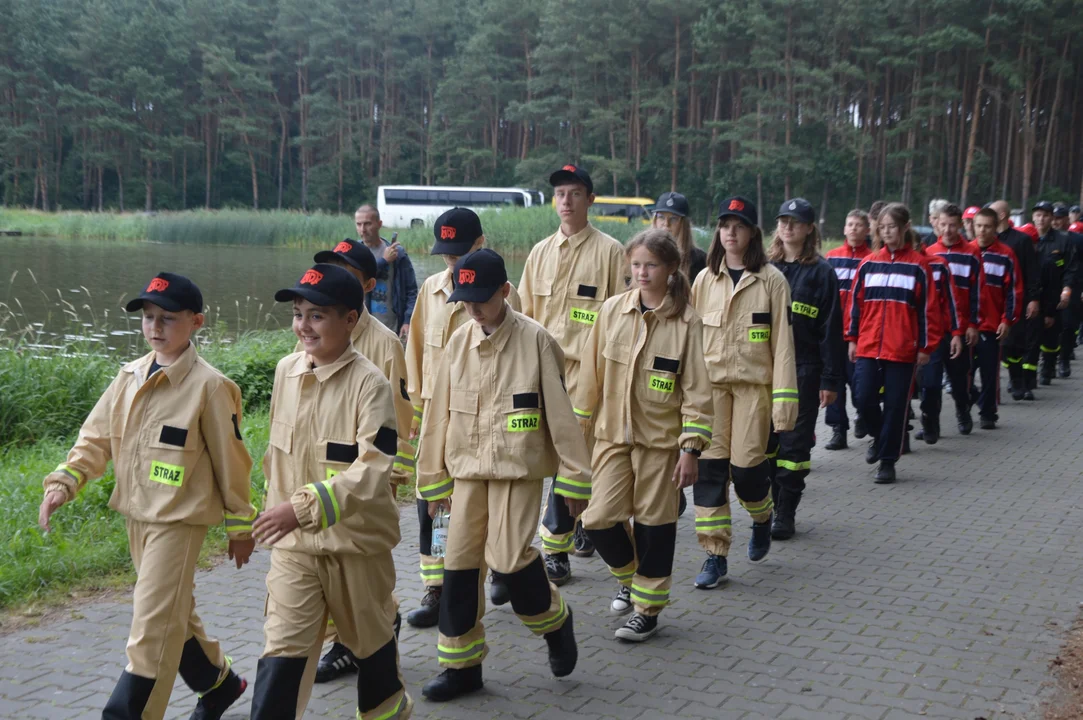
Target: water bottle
<point>440,522</point>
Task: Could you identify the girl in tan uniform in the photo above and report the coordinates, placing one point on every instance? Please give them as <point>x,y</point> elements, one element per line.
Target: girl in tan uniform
<point>748,346</point>
<point>644,383</point>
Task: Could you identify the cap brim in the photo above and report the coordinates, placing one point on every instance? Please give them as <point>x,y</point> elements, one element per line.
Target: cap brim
<point>330,256</point>
<point>739,216</point>
<point>472,294</point>
<point>440,247</point>
<point>313,296</point>
<point>163,302</point>
<point>671,211</point>
<point>793,214</point>
<point>566,177</point>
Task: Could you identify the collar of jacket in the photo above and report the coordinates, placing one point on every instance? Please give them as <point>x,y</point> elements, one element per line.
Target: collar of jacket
<point>500,337</point>
<point>175,373</point>
<point>443,284</point>
<point>303,363</point>
<point>746,274</point>
<point>578,239</point>
<point>632,299</point>
<point>363,320</point>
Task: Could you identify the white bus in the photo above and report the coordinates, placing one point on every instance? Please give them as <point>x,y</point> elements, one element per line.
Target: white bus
<point>414,205</point>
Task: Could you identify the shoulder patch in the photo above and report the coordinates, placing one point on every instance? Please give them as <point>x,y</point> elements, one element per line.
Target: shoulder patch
<point>236,427</point>
<point>387,441</point>
<point>402,389</point>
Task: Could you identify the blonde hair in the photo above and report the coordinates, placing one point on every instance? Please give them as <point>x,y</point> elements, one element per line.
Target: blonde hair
<point>810,251</point>
<point>661,244</point>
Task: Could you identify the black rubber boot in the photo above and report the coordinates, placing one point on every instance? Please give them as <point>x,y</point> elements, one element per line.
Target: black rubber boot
<point>783,525</point>
<point>278,682</point>
<point>759,545</point>
<point>837,441</point>
<point>885,474</point>
<point>129,698</point>
<point>563,653</point>
<point>213,705</point>
<point>872,454</point>
<point>451,684</point>
<point>428,614</point>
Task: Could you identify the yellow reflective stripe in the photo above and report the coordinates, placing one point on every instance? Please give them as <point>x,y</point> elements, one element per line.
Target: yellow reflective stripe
<point>239,523</point>
<point>229,664</point>
<point>760,508</point>
<point>1049,349</point>
<point>1028,366</point>
<point>714,523</point>
<point>772,455</point>
<point>72,472</point>
<point>622,576</point>
<point>697,429</point>
<point>785,395</point>
<point>558,545</point>
<point>582,414</point>
<point>407,458</point>
<point>795,466</point>
<point>571,488</point>
<point>456,655</point>
<point>389,715</point>
<point>543,626</point>
<point>328,504</point>
<point>418,411</point>
<point>650,597</point>
<point>437,491</point>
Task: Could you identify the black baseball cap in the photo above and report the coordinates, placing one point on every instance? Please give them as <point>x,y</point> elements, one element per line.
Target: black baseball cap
<point>1042,205</point>
<point>455,232</point>
<point>1074,209</point>
<point>1060,210</point>
<point>740,207</point>
<point>478,276</point>
<point>353,253</point>
<point>672,202</point>
<point>799,209</point>
<point>572,175</point>
<point>325,285</point>
<point>170,292</point>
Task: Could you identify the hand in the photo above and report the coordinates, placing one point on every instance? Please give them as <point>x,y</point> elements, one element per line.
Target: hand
<point>828,397</point>
<point>1002,330</point>
<point>1064,298</point>
<point>853,352</point>
<point>687,471</point>
<point>575,507</point>
<point>415,427</point>
<point>956,346</point>
<point>437,505</point>
<point>972,336</point>
<point>391,252</point>
<point>241,550</point>
<point>275,524</point>
<point>923,359</point>
<point>1032,309</point>
<point>1049,322</point>
<point>52,501</point>
<point>404,331</point>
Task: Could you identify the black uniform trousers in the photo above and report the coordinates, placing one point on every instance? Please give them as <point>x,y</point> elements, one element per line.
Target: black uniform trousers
<point>792,463</point>
<point>888,425</point>
<point>986,355</point>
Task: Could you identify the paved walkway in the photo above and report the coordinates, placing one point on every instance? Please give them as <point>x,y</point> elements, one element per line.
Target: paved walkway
<point>943,596</point>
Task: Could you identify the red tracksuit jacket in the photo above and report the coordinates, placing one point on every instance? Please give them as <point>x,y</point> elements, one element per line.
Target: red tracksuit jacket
<point>1001,288</point>
<point>894,311</point>
<point>966,276</point>
<point>945,294</point>
<point>844,260</point>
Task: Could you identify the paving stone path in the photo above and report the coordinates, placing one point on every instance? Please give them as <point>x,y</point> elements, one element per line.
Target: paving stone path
<point>944,596</point>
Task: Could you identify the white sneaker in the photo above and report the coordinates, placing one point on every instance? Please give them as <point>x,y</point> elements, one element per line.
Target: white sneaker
<point>622,603</point>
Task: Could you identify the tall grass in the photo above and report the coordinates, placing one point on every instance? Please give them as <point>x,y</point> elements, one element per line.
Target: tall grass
<point>512,230</point>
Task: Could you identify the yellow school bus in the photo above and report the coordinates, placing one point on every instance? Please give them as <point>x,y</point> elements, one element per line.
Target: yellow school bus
<point>620,209</point>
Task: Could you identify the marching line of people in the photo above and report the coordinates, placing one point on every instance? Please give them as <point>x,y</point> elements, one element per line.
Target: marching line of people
<point>623,373</point>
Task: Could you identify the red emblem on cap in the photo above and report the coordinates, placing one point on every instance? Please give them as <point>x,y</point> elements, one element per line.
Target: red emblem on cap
<point>343,247</point>
<point>157,285</point>
<point>570,168</point>
<point>447,232</point>
<point>466,277</point>
<point>311,277</point>
<point>737,205</point>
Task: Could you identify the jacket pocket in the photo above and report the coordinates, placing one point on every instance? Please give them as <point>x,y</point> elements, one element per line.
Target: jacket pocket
<point>713,342</point>
<point>172,453</point>
<point>659,377</point>
<point>335,455</point>
<point>522,419</point>
<point>281,436</point>
<point>463,423</point>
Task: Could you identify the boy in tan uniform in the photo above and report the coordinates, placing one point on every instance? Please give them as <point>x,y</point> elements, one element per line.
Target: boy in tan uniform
<point>171,425</point>
<point>435,319</point>
<point>378,344</point>
<point>567,277</point>
<point>488,442</point>
<point>331,513</point>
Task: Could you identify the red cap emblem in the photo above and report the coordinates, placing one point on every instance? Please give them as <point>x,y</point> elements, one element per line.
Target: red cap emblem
<point>466,277</point>
<point>447,232</point>
<point>570,168</point>
<point>311,277</point>
<point>737,205</point>
<point>157,285</point>
<point>343,247</point>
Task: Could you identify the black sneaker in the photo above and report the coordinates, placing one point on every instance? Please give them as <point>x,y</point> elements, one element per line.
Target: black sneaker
<point>966,423</point>
<point>885,474</point>
<point>498,590</point>
<point>563,653</point>
<point>760,542</point>
<point>860,431</point>
<point>837,441</point>
<point>1045,380</point>
<point>558,568</point>
<point>988,424</point>
<point>1017,395</point>
<point>583,545</point>
<point>1028,395</point>
<point>622,602</point>
<point>428,614</point>
<point>337,662</point>
<point>213,705</point>
<point>872,455</point>
<point>638,628</point>
<point>1065,370</point>
<point>450,684</point>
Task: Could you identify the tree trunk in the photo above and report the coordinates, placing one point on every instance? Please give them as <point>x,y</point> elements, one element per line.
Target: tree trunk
<point>148,185</point>
<point>1053,115</point>
<point>673,129</point>
<point>789,92</point>
<point>207,161</point>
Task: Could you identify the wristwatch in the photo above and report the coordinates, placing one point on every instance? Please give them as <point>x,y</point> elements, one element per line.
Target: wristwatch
<point>692,451</point>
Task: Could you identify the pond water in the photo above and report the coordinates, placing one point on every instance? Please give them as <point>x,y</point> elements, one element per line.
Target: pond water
<point>68,290</point>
